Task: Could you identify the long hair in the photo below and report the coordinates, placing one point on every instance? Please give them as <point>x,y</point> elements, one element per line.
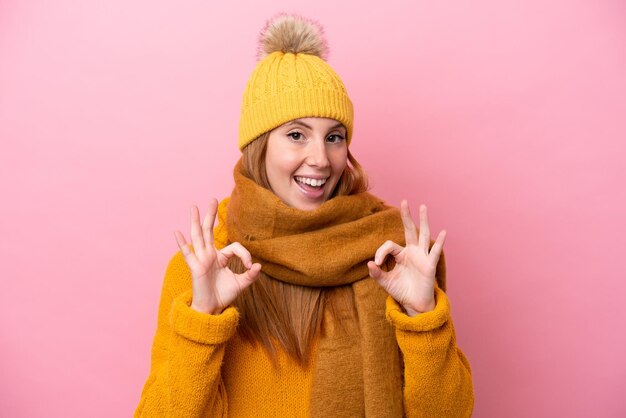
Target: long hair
<point>274,312</point>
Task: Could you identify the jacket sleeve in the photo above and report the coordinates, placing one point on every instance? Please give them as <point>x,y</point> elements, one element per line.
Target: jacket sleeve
<point>437,375</point>
<point>187,352</point>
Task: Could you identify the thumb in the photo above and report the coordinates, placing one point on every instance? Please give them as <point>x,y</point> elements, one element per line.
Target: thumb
<point>250,276</point>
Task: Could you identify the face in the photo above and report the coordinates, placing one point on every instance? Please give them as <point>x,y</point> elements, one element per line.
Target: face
<point>305,159</point>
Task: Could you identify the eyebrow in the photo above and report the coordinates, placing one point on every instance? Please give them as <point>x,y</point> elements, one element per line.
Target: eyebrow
<point>299,122</point>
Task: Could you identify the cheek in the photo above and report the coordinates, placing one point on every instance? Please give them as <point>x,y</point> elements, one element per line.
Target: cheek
<point>339,161</point>
<point>280,166</point>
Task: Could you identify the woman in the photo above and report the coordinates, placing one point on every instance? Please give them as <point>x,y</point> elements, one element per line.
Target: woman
<point>311,297</point>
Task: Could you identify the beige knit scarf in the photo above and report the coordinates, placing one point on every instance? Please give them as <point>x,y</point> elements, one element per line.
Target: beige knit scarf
<point>330,246</point>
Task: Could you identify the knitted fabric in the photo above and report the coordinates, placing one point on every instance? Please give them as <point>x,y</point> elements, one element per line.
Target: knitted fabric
<point>287,86</point>
<point>330,246</point>
<point>222,375</point>
<point>201,367</point>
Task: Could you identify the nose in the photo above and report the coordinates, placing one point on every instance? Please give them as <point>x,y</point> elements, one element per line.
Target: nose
<point>318,154</point>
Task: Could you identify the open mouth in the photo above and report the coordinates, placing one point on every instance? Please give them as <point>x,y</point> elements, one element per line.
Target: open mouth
<point>312,188</point>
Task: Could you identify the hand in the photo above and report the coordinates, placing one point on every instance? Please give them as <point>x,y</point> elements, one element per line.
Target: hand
<point>412,281</point>
<point>214,285</point>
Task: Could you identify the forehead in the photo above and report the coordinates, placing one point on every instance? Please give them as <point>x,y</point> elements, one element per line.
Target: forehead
<point>314,123</point>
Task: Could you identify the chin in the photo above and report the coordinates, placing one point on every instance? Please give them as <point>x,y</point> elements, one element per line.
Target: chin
<point>307,205</point>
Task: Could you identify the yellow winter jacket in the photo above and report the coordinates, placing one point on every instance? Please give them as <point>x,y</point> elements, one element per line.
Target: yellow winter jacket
<point>200,367</point>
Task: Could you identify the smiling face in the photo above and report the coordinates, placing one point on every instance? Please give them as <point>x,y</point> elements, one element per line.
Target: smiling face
<point>305,159</point>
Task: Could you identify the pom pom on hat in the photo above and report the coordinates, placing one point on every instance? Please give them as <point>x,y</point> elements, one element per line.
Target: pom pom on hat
<point>294,34</point>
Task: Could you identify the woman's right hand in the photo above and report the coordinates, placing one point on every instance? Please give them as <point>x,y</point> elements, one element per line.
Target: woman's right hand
<point>214,285</point>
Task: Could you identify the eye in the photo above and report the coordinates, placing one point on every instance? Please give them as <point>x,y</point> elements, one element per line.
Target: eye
<point>295,135</point>
<point>334,138</point>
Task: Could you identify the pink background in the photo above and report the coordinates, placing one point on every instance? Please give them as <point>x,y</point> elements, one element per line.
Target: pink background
<point>505,117</point>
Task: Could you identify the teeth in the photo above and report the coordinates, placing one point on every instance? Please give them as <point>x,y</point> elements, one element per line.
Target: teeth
<point>311,182</point>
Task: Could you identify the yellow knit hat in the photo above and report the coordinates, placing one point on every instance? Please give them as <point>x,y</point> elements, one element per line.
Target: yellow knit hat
<point>292,80</point>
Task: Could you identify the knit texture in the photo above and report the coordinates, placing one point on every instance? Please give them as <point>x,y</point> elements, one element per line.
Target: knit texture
<point>288,86</point>
<point>343,233</point>
<point>201,367</point>
<point>191,378</point>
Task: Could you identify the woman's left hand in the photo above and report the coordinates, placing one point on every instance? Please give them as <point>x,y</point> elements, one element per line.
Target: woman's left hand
<point>412,281</point>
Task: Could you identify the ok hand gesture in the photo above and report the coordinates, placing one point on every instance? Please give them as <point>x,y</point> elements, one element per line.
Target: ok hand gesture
<point>412,281</point>
<point>214,285</point>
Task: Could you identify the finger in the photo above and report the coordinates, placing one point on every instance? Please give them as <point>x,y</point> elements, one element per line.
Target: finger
<point>376,272</point>
<point>188,254</point>
<point>388,247</point>
<point>435,250</point>
<point>424,238</point>
<point>197,239</point>
<point>250,276</point>
<point>209,223</point>
<point>239,250</point>
<point>182,243</point>
<point>410,233</point>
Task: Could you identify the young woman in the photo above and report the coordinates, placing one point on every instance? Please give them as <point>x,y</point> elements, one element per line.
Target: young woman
<point>311,297</point>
